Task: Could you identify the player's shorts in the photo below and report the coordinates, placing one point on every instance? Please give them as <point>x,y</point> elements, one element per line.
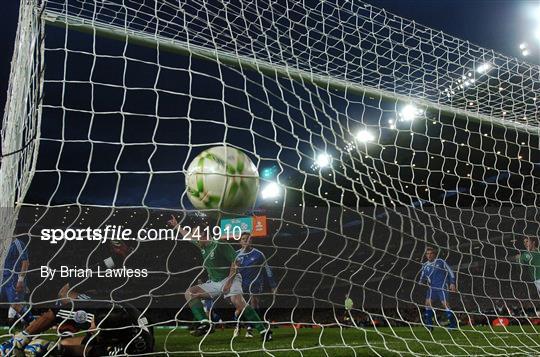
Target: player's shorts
<point>10,293</point>
<point>437,294</point>
<point>215,288</point>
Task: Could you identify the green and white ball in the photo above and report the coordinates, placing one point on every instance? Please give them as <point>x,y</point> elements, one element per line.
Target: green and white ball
<point>222,177</point>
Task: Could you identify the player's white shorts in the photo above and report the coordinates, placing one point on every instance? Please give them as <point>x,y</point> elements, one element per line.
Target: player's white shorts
<point>215,288</point>
<point>537,283</point>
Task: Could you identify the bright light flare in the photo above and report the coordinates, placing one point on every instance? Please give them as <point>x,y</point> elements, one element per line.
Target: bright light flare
<point>525,53</point>
<point>483,68</point>
<point>364,136</point>
<point>410,112</point>
<point>522,46</point>
<point>536,13</point>
<point>271,191</point>
<point>323,160</point>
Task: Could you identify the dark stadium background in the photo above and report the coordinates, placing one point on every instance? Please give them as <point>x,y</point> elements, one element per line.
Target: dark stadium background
<point>315,266</point>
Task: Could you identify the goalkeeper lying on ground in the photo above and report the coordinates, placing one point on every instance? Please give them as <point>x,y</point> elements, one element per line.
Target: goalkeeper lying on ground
<point>219,261</point>
<point>112,329</point>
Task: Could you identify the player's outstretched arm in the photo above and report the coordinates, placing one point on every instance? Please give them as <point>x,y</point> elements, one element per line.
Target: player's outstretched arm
<point>232,273</point>
<point>22,274</point>
<point>42,323</point>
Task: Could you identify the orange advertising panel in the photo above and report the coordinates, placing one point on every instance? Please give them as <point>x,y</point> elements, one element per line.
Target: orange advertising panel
<point>259,226</point>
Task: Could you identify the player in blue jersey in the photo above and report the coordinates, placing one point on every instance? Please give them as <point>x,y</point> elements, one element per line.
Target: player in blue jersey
<point>14,280</point>
<point>255,273</point>
<point>440,278</point>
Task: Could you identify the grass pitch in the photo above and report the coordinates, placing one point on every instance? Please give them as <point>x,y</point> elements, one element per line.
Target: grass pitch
<point>334,341</point>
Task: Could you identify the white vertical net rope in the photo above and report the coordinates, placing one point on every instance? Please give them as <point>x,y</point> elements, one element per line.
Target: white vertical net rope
<point>430,141</point>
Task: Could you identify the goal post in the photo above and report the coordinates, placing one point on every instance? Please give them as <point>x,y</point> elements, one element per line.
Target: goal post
<point>398,175</point>
<point>20,124</point>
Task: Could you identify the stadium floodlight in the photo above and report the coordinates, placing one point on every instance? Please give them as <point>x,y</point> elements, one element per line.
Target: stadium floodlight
<point>323,160</point>
<point>536,13</point>
<point>409,112</point>
<point>364,136</point>
<point>483,68</point>
<point>271,191</point>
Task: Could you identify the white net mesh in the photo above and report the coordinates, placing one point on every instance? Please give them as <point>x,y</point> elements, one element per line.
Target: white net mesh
<point>383,136</point>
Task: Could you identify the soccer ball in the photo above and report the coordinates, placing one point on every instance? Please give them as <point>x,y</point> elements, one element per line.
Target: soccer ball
<point>37,348</point>
<point>222,177</point>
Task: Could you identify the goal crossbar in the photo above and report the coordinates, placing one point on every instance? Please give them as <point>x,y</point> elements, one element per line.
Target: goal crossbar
<point>116,32</point>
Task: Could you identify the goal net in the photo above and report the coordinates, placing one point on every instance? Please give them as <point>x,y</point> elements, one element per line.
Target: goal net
<point>375,138</point>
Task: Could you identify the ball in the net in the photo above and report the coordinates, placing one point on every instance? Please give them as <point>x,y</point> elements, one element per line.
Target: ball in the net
<point>222,177</point>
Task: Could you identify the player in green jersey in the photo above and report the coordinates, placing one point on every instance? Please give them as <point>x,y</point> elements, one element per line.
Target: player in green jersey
<point>531,257</point>
<point>219,261</point>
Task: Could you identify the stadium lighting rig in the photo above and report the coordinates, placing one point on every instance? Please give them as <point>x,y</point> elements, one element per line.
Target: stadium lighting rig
<point>409,112</point>
<point>364,136</point>
<point>323,160</point>
<point>469,78</point>
<point>524,47</point>
<point>483,68</point>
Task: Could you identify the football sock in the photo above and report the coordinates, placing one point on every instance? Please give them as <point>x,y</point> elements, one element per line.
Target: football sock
<point>428,316</point>
<point>197,309</point>
<point>451,318</point>
<point>251,315</point>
